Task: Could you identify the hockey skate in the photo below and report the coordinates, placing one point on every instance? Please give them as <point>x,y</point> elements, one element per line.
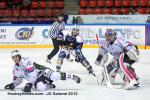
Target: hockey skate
<point>69,59</point>
<point>76,79</point>
<point>48,61</point>
<point>58,69</point>
<point>51,86</point>
<point>90,70</point>
<point>132,85</point>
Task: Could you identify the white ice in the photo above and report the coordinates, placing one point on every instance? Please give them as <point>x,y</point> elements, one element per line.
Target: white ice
<point>87,90</point>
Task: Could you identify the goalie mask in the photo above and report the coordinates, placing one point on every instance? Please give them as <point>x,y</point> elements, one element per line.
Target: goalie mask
<point>110,35</point>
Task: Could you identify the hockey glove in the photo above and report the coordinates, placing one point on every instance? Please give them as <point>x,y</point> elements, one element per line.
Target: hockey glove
<point>10,86</point>
<point>27,87</point>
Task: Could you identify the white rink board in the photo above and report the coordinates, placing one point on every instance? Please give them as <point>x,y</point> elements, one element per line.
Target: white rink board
<point>38,35</point>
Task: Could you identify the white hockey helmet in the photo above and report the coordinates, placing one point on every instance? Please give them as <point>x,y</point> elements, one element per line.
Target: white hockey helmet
<point>75,31</point>
<point>15,53</point>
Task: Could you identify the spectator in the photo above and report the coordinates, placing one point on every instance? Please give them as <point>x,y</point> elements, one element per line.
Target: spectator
<point>65,18</point>
<point>74,20</point>
<point>26,4</point>
<point>14,3</point>
<point>133,11</point>
<point>148,20</point>
<point>79,20</point>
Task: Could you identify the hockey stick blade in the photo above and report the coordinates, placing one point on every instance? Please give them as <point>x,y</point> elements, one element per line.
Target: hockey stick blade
<point>93,74</point>
<point>113,86</point>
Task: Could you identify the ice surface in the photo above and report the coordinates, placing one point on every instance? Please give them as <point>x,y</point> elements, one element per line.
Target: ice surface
<point>87,90</point>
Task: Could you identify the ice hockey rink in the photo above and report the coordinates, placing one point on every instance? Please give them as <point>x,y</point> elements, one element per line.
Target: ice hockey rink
<point>87,90</point>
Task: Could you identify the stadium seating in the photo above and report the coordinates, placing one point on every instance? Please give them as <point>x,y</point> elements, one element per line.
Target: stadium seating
<point>50,12</point>
<point>58,11</point>
<point>83,3</point>
<point>16,12</point>
<point>24,13</point>
<point>125,10</point>
<point>134,3</point>
<point>100,3</point>
<point>82,11</point>
<point>41,12</point>
<point>108,11</point>
<point>126,3</point>
<point>8,13</point>
<point>143,3</point>
<point>99,11</point>
<point>51,4</point>
<point>59,4</point>
<point>2,5</point>
<point>41,9</point>
<point>90,11</point>
<point>118,3</point>
<point>33,13</point>
<point>116,11</point>
<point>1,13</point>
<point>35,4</point>
<point>142,10</point>
<point>93,3</point>
<point>109,3</point>
<point>42,4</point>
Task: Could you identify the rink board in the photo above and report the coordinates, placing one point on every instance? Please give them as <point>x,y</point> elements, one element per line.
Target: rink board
<point>37,36</point>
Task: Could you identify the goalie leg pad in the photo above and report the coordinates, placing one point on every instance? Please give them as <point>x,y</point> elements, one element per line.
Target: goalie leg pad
<point>112,71</point>
<point>132,71</point>
<point>124,68</point>
<point>111,68</point>
<point>98,60</point>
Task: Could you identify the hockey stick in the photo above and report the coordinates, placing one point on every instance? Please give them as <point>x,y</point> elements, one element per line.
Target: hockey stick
<point>104,68</point>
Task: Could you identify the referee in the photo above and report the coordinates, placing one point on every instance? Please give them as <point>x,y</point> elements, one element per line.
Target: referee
<point>55,32</point>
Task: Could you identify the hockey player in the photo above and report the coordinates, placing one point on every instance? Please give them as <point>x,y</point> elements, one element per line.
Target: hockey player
<point>124,55</point>
<point>37,75</point>
<point>73,42</point>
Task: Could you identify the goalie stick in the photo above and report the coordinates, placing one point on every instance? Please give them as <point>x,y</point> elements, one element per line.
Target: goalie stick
<point>106,75</point>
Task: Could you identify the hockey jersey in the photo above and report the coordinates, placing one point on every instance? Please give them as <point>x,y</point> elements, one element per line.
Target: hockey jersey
<point>119,46</point>
<point>73,42</point>
<point>24,70</point>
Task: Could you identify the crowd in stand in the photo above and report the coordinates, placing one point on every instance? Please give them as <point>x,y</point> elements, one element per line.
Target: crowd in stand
<point>41,11</point>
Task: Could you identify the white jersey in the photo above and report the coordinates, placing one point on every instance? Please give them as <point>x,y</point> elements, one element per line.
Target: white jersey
<point>25,70</point>
<point>119,46</point>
